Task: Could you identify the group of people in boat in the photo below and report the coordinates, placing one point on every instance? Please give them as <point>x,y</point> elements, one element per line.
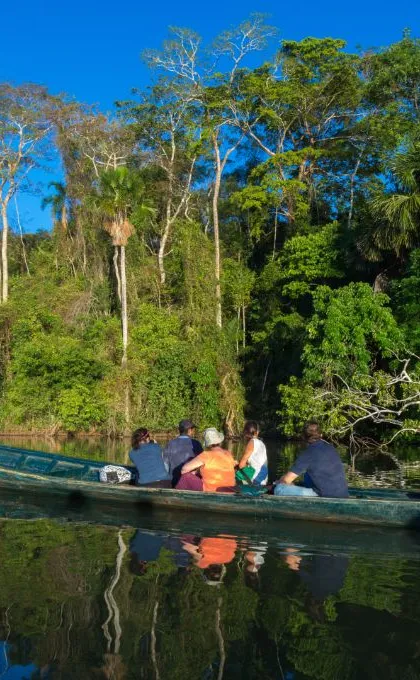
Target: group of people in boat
<point>184,464</point>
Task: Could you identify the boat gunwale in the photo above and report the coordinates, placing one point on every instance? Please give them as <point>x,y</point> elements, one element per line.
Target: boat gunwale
<point>252,500</point>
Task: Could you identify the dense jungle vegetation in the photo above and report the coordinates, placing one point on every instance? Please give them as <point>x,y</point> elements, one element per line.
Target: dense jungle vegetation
<point>242,236</point>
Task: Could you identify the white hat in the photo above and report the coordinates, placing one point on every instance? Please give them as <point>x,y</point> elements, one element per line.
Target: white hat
<point>212,436</point>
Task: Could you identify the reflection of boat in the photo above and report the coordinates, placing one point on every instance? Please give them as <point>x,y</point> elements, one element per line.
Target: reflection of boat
<point>50,474</point>
<point>252,533</point>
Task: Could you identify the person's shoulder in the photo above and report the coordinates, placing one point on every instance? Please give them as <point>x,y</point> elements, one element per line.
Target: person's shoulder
<point>227,453</point>
<point>327,446</point>
<point>305,452</point>
<point>134,455</point>
<point>153,446</point>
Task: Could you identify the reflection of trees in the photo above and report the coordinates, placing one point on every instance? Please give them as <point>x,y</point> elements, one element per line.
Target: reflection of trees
<point>110,601</point>
<point>358,633</point>
<point>176,626</point>
<point>53,576</point>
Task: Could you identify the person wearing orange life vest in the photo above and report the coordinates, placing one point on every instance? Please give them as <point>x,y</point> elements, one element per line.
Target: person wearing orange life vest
<point>216,465</point>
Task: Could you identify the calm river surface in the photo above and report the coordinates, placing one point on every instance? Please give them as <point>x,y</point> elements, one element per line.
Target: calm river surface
<point>106,593</point>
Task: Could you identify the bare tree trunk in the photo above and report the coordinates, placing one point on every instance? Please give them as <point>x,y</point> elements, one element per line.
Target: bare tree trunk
<point>216,193</point>
<point>276,214</point>
<point>243,327</point>
<point>4,262</point>
<point>64,222</point>
<point>21,238</point>
<point>352,183</point>
<point>238,325</point>
<point>161,252</point>
<point>220,166</point>
<point>265,378</point>
<point>117,272</point>
<point>124,322</point>
<point>172,212</point>
<point>124,317</point>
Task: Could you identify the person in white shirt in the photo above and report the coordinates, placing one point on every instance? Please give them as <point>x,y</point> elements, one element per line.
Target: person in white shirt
<point>255,454</point>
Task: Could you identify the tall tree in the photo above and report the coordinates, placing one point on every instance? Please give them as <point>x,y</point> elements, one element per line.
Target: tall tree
<point>181,56</point>
<point>167,128</point>
<point>120,193</point>
<point>26,125</point>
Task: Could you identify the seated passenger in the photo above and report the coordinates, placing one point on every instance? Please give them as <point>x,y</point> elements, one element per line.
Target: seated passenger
<point>181,449</point>
<point>323,467</point>
<point>216,465</point>
<point>255,455</point>
<point>147,457</point>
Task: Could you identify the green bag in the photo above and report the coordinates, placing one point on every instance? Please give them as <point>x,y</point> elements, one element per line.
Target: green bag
<point>252,490</point>
<point>245,475</point>
<point>246,486</point>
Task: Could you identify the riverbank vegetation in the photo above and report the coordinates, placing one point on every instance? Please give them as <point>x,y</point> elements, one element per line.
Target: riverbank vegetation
<point>241,236</point>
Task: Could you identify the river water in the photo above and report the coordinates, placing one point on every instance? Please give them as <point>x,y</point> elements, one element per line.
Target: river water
<point>106,593</point>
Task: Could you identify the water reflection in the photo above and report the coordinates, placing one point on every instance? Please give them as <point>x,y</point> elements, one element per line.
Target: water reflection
<point>184,601</point>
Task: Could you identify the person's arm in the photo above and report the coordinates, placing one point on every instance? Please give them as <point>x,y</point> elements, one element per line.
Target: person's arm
<point>288,478</point>
<point>300,466</point>
<point>193,464</point>
<point>247,454</point>
<point>166,457</point>
<point>190,548</point>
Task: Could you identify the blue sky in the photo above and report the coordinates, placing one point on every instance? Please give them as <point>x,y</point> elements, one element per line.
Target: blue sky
<point>91,49</point>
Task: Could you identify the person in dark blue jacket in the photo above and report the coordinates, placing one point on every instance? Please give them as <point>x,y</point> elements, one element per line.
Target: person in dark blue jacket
<point>146,455</point>
<point>181,449</point>
<point>321,465</point>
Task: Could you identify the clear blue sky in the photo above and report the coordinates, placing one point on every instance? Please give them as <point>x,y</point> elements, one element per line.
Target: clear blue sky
<point>91,49</point>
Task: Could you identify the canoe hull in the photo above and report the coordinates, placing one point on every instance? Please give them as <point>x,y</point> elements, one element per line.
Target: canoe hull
<point>359,511</point>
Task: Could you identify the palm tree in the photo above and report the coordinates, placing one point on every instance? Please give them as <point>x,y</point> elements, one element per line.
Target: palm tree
<point>59,204</point>
<point>399,212</point>
<point>119,194</point>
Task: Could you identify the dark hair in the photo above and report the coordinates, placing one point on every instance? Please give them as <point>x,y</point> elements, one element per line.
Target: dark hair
<point>139,436</point>
<point>251,427</point>
<point>312,431</point>
<point>182,429</point>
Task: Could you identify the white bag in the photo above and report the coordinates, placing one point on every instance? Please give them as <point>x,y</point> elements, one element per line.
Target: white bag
<point>114,474</point>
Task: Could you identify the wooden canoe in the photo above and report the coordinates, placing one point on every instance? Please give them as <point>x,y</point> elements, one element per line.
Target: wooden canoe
<point>76,478</point>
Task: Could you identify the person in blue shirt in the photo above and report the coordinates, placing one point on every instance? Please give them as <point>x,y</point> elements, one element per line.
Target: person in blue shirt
<point>181,449</point>
<point>321,465</point>
<point>146,455</point>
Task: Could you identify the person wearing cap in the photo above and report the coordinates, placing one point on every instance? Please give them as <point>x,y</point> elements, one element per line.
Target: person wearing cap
<point>216,465</point>
<point>181,449</point>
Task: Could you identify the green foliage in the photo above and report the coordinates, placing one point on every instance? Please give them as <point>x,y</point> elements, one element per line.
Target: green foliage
<point>351,329</point>
<point>318,206</point>
<point>308,260</point>
<point>351,336</point>
<point>405,299</point>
